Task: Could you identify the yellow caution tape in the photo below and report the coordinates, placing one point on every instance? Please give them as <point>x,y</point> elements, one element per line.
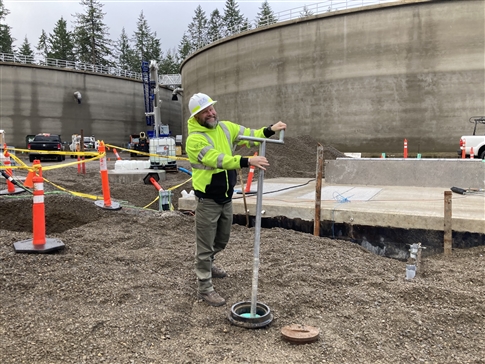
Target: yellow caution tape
<point>146,154</point>
<point>96,156</point>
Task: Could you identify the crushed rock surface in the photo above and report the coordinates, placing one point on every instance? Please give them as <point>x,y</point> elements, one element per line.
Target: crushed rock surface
<point>123,288</point>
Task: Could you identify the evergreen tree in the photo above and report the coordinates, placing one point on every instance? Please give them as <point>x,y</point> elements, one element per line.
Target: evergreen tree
<point>184,48</point>
<point>140,39</point>
<point>169,63</point>
<point>246,25</point>
<point>146,44</point>
<point>214,27</point>
<point>124,54</point>
<point>43,46</point>
<point>197,29</point>
<point>26,51</point>
<point>265,15</point>
<point>154,49</point>
<point>61,43</point>
<point>6,40</point>
<point>233,20</point>
<point>305,12</point>
<point>91,34</point>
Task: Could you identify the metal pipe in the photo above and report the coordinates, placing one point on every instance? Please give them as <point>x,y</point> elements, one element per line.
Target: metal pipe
<point>257,236</point>
<point>259,207</point>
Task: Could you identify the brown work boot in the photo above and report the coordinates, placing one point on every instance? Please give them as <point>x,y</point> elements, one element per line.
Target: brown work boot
<point>218,272</point>
<point>212,298</point>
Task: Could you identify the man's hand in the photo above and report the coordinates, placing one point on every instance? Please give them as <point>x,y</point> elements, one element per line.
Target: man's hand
<point>258,161</point>
<point>278,126</point>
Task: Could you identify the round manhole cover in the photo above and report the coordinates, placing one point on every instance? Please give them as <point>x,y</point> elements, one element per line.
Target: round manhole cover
<point>300,334</point>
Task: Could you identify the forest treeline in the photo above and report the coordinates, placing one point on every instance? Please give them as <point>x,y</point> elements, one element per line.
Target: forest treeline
<point>89,40</point>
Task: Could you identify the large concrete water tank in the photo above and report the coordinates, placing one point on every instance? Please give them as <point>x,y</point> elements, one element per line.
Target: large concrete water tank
<point>361,79</point>
<point>37,99</point>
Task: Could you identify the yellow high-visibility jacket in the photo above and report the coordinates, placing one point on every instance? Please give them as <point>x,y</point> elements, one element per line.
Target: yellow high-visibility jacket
<point>210,153</point>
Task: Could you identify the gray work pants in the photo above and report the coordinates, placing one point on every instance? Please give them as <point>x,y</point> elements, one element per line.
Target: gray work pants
<point>212,230</point>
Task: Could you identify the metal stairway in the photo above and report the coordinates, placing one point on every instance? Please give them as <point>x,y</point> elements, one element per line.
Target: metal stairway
<point>148,87</point>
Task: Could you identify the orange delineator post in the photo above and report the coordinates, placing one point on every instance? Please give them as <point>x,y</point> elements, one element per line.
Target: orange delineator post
<point>39,243</point>
<point>10,185</point>
<point>250,177</point>
<point>405,148</point>
<point>37,167</point>
<point>103,168</point>
<point>463,148</point>
<point>38,212</point>
<point>118,158</point>
<point>472,155</point>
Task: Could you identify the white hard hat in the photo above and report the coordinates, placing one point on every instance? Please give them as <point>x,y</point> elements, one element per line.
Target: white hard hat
<point>199,102</point>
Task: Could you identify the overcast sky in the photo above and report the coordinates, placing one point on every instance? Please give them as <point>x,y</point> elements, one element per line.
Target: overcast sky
<point>169,19</point>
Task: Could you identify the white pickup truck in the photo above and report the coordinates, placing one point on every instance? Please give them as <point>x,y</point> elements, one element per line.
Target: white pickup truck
<point>90,144</point>
<point>475,141</point>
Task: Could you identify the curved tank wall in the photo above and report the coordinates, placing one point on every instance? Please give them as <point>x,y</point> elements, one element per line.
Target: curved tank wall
<point>36,99</point>
<point>361,80</point>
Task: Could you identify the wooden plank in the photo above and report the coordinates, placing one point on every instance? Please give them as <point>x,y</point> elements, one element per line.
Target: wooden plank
<point>448,241</point>
<point>318,190</point>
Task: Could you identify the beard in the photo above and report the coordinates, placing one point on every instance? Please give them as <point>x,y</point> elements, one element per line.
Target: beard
<point>209,122</point>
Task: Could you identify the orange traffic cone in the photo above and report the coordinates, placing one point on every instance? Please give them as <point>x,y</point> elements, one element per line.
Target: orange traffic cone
<point>118,158</point>
<point>29,181</point>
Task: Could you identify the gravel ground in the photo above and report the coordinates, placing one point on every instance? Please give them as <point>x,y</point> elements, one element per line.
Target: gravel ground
<point>123,288</point>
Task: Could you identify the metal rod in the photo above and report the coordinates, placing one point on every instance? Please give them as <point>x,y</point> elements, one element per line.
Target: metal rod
<point>259,205</point>
<point>257,236</point>
<point>281,139</point>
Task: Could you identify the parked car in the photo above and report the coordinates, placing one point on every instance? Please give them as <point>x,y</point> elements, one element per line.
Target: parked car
<point>46,142</point>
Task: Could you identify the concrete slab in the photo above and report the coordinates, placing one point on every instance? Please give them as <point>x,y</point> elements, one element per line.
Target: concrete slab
<point>382,204</point>
<point>407,172</point>
<point>382,219</point>
<point>135,175</point>
<point>385,206</point>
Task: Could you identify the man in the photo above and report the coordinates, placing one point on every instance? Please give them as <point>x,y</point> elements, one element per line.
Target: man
<point>210,144</point>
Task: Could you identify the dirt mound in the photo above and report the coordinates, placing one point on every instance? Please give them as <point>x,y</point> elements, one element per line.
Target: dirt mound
<point>296,158</point>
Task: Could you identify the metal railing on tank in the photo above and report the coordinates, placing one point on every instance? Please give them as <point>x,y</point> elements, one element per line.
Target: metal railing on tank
<point>167,79</point>
<point>290,14</point>
<point>174,79</point>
